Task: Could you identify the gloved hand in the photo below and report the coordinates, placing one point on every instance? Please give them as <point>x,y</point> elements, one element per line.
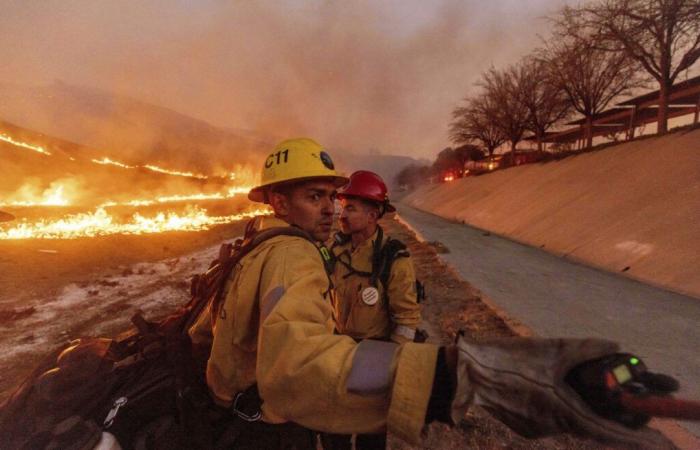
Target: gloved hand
<point>521,382</point>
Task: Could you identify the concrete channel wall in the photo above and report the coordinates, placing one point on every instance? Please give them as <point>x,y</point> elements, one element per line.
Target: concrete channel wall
<point>632,208</point>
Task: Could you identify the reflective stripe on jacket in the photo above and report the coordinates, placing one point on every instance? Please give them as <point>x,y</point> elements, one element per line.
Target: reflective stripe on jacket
<point>275,328</point>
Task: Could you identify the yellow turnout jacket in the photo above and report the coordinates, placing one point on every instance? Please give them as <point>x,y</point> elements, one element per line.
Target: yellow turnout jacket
<point>275,328</point>
<point>355,313</point>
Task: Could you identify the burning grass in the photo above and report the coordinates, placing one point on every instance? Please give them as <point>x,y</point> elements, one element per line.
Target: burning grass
<point>102,223</point>
<point>60,195</point>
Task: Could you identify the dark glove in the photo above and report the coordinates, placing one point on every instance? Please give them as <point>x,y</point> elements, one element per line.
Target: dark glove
<point>521,381</point>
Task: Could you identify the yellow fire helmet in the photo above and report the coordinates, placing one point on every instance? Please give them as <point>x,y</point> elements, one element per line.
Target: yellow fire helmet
<point>295,160</point>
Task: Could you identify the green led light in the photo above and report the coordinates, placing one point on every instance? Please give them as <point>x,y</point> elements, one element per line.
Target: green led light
<point>634,361</point>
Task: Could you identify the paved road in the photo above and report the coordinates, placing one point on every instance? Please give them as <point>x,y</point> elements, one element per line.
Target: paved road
<point>556,297</point>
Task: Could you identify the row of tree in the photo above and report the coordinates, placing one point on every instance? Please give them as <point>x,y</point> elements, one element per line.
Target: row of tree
<point>597,52</point>
<point>450,161</point>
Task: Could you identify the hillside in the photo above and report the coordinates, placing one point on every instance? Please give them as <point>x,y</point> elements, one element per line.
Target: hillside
<point>132,129</point>
<point>27,174</point>
<point>631,208</point>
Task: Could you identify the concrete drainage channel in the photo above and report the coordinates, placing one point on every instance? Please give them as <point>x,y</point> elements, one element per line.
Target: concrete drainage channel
<point>553,296</point>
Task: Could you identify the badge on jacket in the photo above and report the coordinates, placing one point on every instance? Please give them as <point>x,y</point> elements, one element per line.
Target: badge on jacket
<point>370,295</point>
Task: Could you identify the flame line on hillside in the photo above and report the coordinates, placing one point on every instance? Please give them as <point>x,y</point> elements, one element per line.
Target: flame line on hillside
<point>108,161</point>
<point>181,198</point>
<point>101,223</point>
<point>36,148</point>
<point>153,168</point>
<point>105,161</point>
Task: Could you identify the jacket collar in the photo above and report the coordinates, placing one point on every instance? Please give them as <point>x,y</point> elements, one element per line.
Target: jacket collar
<point>361,256</point>
<point>265,222</point>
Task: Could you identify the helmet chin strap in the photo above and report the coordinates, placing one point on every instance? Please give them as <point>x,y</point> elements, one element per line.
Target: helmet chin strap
<point>382,209</point>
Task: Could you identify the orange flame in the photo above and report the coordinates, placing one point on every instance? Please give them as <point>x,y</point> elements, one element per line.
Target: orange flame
<point>106,161</point>
<point>50,197</point>
<point>101,223</point>
<point>175,172</point>
<point>182,198</point>
<point>153,168</point>
<point>36,148</point>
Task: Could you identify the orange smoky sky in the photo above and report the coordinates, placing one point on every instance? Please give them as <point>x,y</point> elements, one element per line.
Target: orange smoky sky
<point>356,75</point>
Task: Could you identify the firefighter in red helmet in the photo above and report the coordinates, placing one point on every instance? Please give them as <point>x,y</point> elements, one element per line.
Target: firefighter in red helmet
<point>376,295</point>
<point>374,278</point>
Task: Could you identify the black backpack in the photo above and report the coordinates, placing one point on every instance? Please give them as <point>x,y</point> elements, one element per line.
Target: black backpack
<point>146,387</point>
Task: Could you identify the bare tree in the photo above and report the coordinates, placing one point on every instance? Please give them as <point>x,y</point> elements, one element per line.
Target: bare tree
<point>545,101</point>
<point>474,123</point>
<point>503,89</point>
<point>663,36</point>
<point>590,77</point>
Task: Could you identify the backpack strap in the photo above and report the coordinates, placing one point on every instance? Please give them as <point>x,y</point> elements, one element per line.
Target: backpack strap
<point>392,250</point>
<point>378,261</point>
<point>246,246</point>
<point>383,257</point>
<point>210,285</point>
<point>340,238</point>
<point>395,249</point>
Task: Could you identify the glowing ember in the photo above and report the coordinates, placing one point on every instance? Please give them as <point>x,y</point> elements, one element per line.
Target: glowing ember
<point>106,161</point>
<point>101,223</point>
<point>175,172</point>
<point>36,148</point>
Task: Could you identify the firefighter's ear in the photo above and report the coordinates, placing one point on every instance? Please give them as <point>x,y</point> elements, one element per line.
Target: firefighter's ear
<point>279,202</point>
<point>374,213</point>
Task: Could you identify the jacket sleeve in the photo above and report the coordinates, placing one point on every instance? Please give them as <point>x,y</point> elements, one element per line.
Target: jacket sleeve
<point>328,382</point>
<point>403,305</point>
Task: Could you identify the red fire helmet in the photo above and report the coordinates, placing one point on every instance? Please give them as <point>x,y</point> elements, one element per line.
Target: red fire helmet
<point>369,186</point>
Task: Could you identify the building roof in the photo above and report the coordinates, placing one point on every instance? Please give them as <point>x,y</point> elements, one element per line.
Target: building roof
<point>684,98</point>
<point>684,92</point>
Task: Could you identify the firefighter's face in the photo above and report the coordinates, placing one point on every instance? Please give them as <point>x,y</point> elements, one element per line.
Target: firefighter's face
<point>356,215</point>
<point>308,205</point>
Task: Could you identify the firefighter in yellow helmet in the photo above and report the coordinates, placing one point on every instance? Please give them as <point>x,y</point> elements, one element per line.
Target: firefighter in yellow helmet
<point>274,342</point>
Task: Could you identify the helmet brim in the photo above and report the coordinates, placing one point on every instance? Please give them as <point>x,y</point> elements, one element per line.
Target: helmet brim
<point>388,207</point>
<point>257,194</point>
